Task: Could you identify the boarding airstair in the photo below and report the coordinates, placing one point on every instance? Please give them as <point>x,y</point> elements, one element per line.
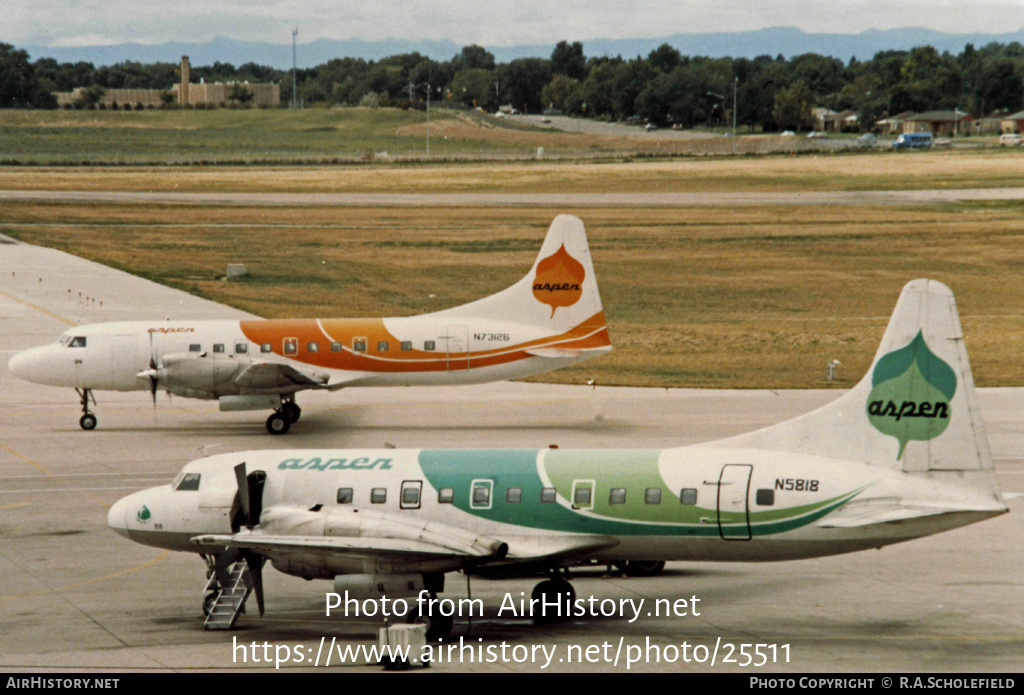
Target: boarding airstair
<point>226,600</point>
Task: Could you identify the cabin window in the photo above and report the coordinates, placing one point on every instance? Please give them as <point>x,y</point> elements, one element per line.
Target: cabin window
<point>241,348</point>
<point>335,347</point>
<point>480,497</point>
<point>189,481</point>
<point>429,345</point>
<point>218,347</point>
<point>195,347</point>
<point>547,495</point>
<point>652,495</point>
<point>382,346</point>
<point>265,347</point>
<point>312,347</point>
<point>446,495</point>
<point>410,495</point>
<point>291,346</point>
<point>406,345</point>
<point>688,495</point>
<point>514,495</point>
<point>581,497</point>
<point>765,497</point>
<point>77,341</point>
<point>378,495</point>
<point>359,345</point>
<point>617,496</point>
<point>345,495</point>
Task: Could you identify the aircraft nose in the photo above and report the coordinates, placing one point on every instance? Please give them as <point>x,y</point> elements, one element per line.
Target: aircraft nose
<point>21,365</point>
<point>116,517</point>
<point>46,364</point>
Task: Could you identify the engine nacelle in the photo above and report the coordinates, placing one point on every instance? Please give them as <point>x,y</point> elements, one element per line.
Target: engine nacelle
<point>299,569</point>
<point>364,523</point>
<point>373,586</point>
<point>199,375</point>
<point>268,401</point>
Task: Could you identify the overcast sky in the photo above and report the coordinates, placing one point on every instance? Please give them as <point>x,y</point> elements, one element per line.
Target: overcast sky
<point>486,22</point>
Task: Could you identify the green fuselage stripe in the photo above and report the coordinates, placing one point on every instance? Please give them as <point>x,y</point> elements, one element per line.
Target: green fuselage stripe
<point>635,471</point>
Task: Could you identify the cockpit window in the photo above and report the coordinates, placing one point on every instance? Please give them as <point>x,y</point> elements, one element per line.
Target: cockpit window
<point>77,341</point>
<point>188,481</point>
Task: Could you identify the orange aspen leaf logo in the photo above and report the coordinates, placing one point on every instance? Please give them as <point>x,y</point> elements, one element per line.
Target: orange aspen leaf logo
<point>559,280</point>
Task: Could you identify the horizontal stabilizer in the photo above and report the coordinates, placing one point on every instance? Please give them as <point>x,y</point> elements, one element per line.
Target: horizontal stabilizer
<point>890,510</point>
<point>567,352</point>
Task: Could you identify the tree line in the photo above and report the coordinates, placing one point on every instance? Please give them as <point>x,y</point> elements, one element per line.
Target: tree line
<point>663,87</point>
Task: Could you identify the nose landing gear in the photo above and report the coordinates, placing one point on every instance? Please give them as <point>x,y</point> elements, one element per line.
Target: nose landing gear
<point>88,420</point>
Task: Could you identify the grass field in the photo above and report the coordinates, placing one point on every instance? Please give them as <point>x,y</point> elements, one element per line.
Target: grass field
<point>744,297</point>
<point>281,137</point>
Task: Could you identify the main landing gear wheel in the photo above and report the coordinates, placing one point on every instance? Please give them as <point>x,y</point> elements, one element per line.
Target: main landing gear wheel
<point>278,423</point>
<point>291,411</point>
<point>643,568</point>
<point>88,421</point>
<point>439,626</point>
<point>556,597</point>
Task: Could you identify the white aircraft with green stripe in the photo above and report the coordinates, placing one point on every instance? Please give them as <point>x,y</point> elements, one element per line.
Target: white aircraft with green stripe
<point>902,455</point>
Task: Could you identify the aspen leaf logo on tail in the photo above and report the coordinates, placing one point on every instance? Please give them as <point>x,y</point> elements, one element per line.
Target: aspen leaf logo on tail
<point>911,392</point>
<point>559,280</point>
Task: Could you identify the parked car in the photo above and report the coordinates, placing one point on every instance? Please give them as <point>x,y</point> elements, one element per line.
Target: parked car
<point>1011,139</point>
<point>817,134</point>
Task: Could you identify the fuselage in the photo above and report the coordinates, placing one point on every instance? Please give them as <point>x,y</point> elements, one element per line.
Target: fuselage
<point>692,503</point>
<point>204,359</point>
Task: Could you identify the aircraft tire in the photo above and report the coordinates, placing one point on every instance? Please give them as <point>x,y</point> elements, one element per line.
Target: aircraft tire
<point>548,591</point>
<point>88,421</point>
<point>208,601</point>
<point>439,627</point>
<point>643,568</point>
<point>291,411</point>
<point>278,423</point>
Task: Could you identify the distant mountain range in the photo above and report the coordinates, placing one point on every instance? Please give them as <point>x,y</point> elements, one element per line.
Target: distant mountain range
<point>787,41</point>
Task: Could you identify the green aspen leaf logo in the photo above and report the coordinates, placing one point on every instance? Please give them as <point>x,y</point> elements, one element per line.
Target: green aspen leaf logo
<point>143,514</point>
<point>911,392</point>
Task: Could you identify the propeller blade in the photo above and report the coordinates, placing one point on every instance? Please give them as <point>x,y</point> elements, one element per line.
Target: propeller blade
<point>152,370</point>
<point>255,563</point>
<point>243,493</point>
<point>255,481</point>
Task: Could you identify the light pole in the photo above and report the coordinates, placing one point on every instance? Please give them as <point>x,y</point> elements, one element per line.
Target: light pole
<point>295,33</point>
<point>412,91</point>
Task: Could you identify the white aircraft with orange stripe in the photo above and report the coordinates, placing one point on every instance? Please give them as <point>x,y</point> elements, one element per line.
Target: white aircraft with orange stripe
<point>550,319</point>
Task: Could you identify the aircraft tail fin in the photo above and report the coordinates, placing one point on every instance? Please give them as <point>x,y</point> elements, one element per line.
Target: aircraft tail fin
<point>916,410</point>
<point>558,294</point>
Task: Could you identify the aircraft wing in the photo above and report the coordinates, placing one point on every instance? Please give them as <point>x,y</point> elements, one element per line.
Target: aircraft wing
<point>295,547</point>
<point>557,547</point>
<point>269,375</point>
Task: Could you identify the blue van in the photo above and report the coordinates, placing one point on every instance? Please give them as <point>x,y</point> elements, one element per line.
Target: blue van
<point>908,141</point>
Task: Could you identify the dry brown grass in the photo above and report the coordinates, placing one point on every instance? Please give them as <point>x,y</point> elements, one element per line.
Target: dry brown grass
<point>743,297</point>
